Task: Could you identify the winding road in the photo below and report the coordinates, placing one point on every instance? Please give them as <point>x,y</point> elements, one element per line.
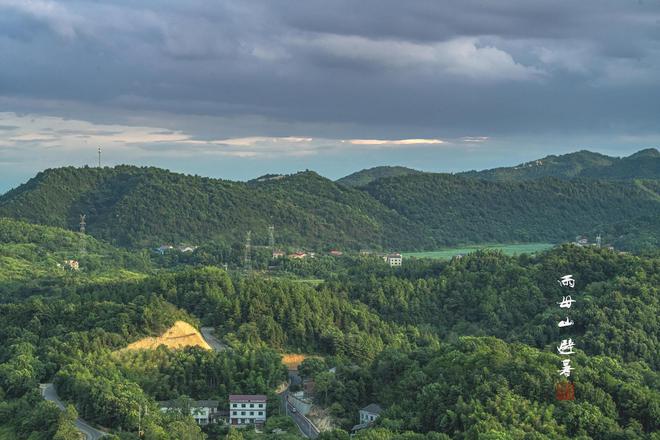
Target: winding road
<point>49,392</point>
<point>306,427</point>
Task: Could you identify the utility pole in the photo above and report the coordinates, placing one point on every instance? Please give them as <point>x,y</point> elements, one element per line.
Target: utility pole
<point>248,251</point>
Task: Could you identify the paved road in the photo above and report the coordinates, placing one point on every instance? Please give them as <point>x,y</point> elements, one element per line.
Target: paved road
<point>306,427</point>
<point>49,393</point>
<point>207,334</point>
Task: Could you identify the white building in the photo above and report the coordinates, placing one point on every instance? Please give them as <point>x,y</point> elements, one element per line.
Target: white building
<point>203,411</point>
<point>394,260</point>
<point>370,413</point>
<point>367,416</point>
<point>247,409</point>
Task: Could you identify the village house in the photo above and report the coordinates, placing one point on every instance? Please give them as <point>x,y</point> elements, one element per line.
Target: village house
<point>298,255</point>
<point>247,409</point>
<point>336,253</point>
<point>581,240</point>
<point>394,260</point>
<point>278,254</point>
<point>203,411</point>
<point>367,416</point>
<point>164,248</point>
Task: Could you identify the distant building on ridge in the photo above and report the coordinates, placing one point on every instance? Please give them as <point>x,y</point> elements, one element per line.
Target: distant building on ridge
<point>394,260</point>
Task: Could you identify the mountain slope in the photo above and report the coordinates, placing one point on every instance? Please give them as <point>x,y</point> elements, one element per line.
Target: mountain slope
<point>30,253</point>
<point>364,177</point>
<point>643,164</point>
<point>450,207</point>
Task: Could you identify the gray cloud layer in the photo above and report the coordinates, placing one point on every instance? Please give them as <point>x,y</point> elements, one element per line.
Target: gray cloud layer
<point>521,71</point>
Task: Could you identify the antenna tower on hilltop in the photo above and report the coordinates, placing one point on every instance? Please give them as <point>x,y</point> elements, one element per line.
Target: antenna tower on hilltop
<point>99,157</point>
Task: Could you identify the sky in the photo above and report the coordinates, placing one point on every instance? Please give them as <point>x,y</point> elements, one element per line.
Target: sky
<point>239,88</point>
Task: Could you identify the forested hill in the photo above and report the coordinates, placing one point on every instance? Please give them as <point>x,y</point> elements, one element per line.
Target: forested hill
<point>143,207</point>
<point>364,177</point>
<point>450,207</point>
<point>644,164</point>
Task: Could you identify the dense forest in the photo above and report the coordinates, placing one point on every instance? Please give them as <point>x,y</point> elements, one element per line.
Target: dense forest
<point>147,207</point>
<point>451,349</point>
<point>547,209</point>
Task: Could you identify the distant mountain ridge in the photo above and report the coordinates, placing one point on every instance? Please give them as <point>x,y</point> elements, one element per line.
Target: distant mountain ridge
<point>644,164</point>
<point>144,207</point>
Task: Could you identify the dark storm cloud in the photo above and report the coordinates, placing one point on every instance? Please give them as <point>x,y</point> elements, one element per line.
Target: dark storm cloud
<point>539,70</point>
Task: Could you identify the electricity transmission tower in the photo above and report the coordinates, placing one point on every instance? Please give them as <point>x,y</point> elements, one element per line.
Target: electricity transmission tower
<point>99,157</point>
<point>248,251</point>
<point>598,240</point>
<point>271,237</point>
<point>83,224</point>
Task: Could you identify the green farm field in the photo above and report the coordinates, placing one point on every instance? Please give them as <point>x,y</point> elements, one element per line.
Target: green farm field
<point>508,249</point>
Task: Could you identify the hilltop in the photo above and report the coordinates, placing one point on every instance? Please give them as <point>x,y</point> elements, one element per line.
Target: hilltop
<point>364,177</point>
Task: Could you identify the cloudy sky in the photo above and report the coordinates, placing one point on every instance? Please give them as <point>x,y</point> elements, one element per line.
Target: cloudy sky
<point>238,88</point>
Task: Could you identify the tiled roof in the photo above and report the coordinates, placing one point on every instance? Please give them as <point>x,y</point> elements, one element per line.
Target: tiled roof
<point>194,403</point>
<point>247,398</point>
<point>373,408</point>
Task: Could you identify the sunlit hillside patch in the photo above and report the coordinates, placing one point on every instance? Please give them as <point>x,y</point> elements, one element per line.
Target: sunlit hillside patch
<point>180,335</point>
